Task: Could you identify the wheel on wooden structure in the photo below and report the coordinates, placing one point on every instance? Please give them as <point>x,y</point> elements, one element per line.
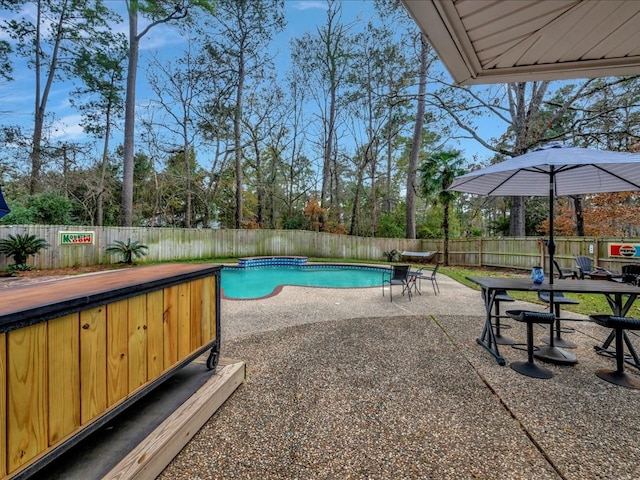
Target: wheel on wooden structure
<point>212,360</point>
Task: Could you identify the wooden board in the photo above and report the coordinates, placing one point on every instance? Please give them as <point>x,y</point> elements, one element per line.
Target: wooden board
<point>195,313</point>
<point>117,352</point>
<point>184,322</point>
<point>170,315</point>
<point>93,367</point>
<point>3,404</point>
<point>155,341</point>
<point>27,398</point>
<point>153,454</point>
<point>137,321</point>
<point>64,376</point>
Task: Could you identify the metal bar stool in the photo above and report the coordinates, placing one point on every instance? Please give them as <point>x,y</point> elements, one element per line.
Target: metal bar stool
<point>559,299</point>
<point>500,296</point>
<point>529,368</point>
<point>619,324</point>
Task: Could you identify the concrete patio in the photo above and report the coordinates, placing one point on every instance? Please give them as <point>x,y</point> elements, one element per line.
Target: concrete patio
<point>342,383</point>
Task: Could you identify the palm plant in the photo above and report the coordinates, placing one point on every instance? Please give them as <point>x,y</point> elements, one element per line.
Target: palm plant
<point>20,247</point>
<point>128,251</point>
<point>438,171</point>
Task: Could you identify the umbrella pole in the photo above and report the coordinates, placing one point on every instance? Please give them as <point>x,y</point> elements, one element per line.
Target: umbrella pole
<point>551,245</point>
<point>551,353</point>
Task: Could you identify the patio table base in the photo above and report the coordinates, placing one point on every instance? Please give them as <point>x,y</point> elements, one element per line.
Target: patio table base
<point>619,378</point>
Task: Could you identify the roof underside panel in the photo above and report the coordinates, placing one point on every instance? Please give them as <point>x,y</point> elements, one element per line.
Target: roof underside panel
<point>490,41</point>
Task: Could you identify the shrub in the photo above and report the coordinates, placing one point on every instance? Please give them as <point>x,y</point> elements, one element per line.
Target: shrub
<point>392,255</point>
<point>128,251</point>
<point>20,247</point>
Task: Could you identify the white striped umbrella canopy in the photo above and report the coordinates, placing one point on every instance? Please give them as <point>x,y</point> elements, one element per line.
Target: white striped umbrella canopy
<point>555,170</point>
<point>570,170</point>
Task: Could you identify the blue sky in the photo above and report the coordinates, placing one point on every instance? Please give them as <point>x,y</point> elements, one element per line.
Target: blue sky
<point>18,96</point>
<point>301,15</point>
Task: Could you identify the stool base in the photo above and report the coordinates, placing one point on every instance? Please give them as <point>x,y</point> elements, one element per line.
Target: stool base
<point>504,340</point>
<point>555,355</point>
<point>619,378</point>
<point>559,342</point>
<point>531,370</point>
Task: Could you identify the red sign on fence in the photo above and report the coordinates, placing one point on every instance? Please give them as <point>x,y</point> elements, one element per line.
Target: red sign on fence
<point>626,250</point>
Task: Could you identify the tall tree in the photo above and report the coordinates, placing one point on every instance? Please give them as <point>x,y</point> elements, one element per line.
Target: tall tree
<point>157,12</point>
<point>100,101</point>
<point>51,41</point>
<point>240,49</point>
<point>519,106</point>
<point>325,59</point>
<point>377,103</point>
<point>416,143</point>
<point>180,87</point>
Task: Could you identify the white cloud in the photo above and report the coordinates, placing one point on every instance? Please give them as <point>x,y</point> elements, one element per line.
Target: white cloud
<point>68,128</point>
<point>309,5</point>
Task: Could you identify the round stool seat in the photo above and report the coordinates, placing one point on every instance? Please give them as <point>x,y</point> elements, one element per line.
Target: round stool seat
<point>611,321</point>
<point>528,316</point>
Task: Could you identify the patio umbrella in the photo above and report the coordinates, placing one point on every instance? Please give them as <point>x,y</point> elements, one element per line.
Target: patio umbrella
<point>4,208</point>
<point>554,170</point>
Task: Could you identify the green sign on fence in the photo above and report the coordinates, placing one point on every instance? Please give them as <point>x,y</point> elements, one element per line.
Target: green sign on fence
<point>76,238</point>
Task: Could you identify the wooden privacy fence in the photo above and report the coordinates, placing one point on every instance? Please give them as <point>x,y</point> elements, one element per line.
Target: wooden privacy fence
<point>66,247</point>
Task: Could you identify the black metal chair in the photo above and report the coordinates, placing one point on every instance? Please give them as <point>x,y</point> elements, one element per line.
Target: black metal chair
<point>631,274</point>
<point>559,299</point>
<point>434,281</point>
<point>619,324</point>
<point>500,296</point>
<point>529,368</point>
<point>398,275</point>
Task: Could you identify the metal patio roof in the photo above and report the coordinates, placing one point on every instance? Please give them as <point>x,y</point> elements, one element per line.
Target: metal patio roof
<point>500,41</point>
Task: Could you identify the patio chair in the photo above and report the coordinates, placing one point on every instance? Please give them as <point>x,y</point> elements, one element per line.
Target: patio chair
<point>564,272</point>
<point>631,274</point>
<point>585,267</point>
<point>433,279</point>
<point>398,275</point>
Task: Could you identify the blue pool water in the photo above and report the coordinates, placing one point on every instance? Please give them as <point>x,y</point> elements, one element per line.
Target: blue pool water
<point>252,283</point>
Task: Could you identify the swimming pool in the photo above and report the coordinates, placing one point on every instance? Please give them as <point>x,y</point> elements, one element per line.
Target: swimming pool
<point>258,282</point>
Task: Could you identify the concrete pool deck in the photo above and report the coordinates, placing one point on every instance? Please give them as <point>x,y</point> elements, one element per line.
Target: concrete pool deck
<point>342,383</point>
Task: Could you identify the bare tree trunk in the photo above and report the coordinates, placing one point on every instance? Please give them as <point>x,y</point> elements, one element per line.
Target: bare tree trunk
<point>188,218</point>
<point>417,141</point>
<point>237,139</point>
<point>577,204</point>
<point>41,102</point>
<point>129,122</point>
